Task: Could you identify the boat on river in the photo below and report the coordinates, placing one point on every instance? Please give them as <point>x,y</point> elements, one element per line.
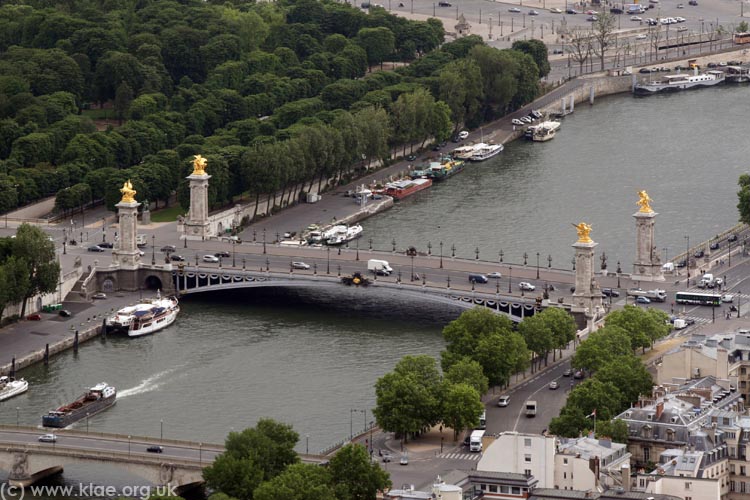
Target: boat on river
<point>341,234</point>
<point>399,190</point>
<point>542,132</point>
<point>463,152</point>
<point>98,398</point>
<point>439,170</point>
<point>484,151</point>
<point>684,81</point>
<point>148,316</point>
<point>737,74</point>
<point>10,387</point>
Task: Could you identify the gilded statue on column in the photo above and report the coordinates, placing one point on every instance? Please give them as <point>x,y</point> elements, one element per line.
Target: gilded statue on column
<point>583,232</point>
<point>644,202</point>
<point>199,165</point>
<point>128,193</point>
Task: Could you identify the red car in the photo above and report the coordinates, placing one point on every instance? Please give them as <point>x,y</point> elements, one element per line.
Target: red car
<point>34,317</point>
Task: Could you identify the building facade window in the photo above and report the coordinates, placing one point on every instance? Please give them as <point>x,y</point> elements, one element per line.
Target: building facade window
<point>527,458</point>
<point>646,453</point>
<point>527,442</point>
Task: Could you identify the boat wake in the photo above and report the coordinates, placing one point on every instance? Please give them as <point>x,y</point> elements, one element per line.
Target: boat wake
<point>147,385</point>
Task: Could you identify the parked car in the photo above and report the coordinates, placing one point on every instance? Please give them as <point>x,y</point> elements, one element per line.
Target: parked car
<point>591,12</point>
<point>642,300</point>
<point>222,254</point>
<point>558,51</point>
<point>99,296</point>
<point>95,248</point>
<point>693,2</point>
<point>34,317</point>
<point>463,134</point>
<point>177,258</point>
<point>714,245</point>
<point>553,385</point>
<point>568,372</point>
<point>699,253</point>
<point>732,237</point>
<point>155,449</point>
<point>168,248</point>
<point>516,121</point>
<point>494,274</point>
<point>734,63</point>
<point>444,4</point>
<point>106,244</point>
<point>48,438</point>
<point>555,10</point>
<point>503,401</point>
<point>515,10</point>
<point>409,158</point>
<point>526,286</point>
<point>210,258</point>
<point>571,11</point>
<point>610,292</point>
<point>300,265</point>
<point>578,374</point>
<point>592,19</point>
<point>532,12</point>
<point>616,10</point>
<point>65,313</point>
<point>636,18</point>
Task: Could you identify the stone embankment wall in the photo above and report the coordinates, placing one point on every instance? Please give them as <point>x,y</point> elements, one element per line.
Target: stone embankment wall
<point>36,303</point>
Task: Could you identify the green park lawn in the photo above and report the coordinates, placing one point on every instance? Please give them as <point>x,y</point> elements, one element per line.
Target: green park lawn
<point>167,214</point>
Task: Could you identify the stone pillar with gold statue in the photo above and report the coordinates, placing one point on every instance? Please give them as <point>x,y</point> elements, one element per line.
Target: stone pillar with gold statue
<point>587,298</point>
<point>647,265</point>
<point>126,254</point>
<point>196,225</point>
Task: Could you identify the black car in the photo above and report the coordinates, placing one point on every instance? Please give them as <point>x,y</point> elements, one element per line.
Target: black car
<point>698,254</point>
<point>714,245</point>
<point>615,10</point>
<point>168,248</point>
<point>222,254</point>
<point>444,4</point>
<point>106,244</point>
<point>95,248</point>
<point>571,11</point>
<point>467,440</point>
<point>609,292</point>
<point>732,237</point>
<point>681,263</point>
<point>65,313</point>
<point>411,157</point>
<point>177,258</point>
<point>155,449</point>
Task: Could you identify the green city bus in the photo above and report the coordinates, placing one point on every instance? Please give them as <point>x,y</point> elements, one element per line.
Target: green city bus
<point>698,298</point>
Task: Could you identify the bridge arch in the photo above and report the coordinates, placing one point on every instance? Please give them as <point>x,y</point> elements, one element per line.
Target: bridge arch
<point>153,282</point>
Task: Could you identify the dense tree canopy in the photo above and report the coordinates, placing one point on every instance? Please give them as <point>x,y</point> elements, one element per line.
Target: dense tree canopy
<point>194,76</point>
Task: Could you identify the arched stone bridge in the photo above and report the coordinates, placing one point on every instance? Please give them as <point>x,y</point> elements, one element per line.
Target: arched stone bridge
<point>189,280</point>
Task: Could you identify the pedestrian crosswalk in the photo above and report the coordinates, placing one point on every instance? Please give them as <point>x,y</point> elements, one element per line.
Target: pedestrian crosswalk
<point>461,456</point>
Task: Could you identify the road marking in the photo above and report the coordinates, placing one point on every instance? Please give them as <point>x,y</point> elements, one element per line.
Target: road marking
<point>461,456</point>
<point>523,408</point>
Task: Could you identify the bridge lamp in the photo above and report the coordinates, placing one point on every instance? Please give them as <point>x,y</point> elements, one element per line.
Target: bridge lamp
<point>371,244</point>
<point>153,249</point>
<point>453,251</point>
<point>128,445</point>
<point>537,265</point>
<point>476,251</point>
<point>18,409</point>
<point>104,229</point>
<point>357,258</point>
<point>307,444</point>
<point>264,240</point>
<point>200,453</point>
<point>429,248</point>
<point>525,258</point>
<point>441,255</point>
<point>243,263</point>
<point>233,245</point>
<point>161,430</point>
<point>510,278</point>
<point>328,257</point>
<point>549,261</point>
<point>87,422</point>
<point>412,267</point>
<point>268,265</point>
<point>500,254</point>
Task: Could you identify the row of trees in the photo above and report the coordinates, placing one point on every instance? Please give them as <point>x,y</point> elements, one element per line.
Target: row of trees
<point>27,267</point>
<point>618,375</point>
<point>227,81</point>
<point>260,464</point>
<point>482,350</point>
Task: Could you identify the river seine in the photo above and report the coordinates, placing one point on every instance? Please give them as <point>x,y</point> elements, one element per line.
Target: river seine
<point>310,358</point>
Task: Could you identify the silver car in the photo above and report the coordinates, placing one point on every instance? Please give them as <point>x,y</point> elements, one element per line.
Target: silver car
<point>300,265</point>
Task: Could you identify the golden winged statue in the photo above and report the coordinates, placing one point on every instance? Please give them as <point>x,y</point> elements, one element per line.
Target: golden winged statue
<point>644,202</point>
<point>583,232</point>
<point>128,193</point>
<point>199,165</point>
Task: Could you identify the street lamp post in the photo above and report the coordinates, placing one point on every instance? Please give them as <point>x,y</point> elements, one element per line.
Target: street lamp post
<point>729,254</point>
<point>18,420</point>
<point>573,261</point>
<point>328,260</point>
<point>307,444</point>
<point>525,258</point>
<point>104,229</point>
<point>200,453</point>
<point>153,249</point>
<point>264,240</point>
<point>87,422</point>
<point>429,248</point>
<point>739,302</point>
<point>412,267</point>
<point>453,251</point>
<point>233,261</point>
<point>549,261</point>
<point>357,257</point>
<point>441,255</point>
<point>128,445</point>
<point>537,265</point>
<point>619,270</point>
<point>161,430</point>
<point>510,278</point>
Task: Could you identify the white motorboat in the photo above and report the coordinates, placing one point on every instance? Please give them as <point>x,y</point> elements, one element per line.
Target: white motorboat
<point>463,153</point>
<point>146,317</point>
<point>484,151</point>
<point>344,234</point>
<point>542,132</point>
<point>10,387</point>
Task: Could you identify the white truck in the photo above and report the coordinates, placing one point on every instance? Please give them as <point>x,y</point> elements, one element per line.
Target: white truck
<point>657,295</point>
<point>380,267</point>
<point>531,408</point>
<point>475,441</point>
<point>141,240</point>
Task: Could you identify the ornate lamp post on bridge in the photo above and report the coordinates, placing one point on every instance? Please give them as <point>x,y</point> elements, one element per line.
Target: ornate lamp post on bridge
<point>510,278</point>
<point>549,261</point>
<point>328,260</point>
<point>525,258</point>
<point>412,267</point>
<point>153,249</point>
<point>500,254</point>
<point>233,261</point>
<point>687,260</point>
<point>264,240</point>
<point>429,248</point>
<point>441,255</point>
<point>537,265</point>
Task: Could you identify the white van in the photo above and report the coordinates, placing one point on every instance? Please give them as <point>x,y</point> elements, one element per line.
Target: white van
<point>141,240</point>
<point>668,267</point>
<point>707,280</point>
<point>483,420</point>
